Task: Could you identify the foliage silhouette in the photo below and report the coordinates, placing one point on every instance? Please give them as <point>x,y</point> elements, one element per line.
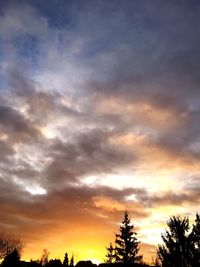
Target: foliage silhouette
<point>180,247</point>
<point>66,260</point>
<point>71,264</point>
<point>111,255</point>
<point>126,245</point>
<point>195,241</point>
<point>8,243</point>
<point>126,249</point>
<point>12,259</point>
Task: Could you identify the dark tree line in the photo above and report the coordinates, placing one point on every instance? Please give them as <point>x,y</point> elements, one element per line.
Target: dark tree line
<point>180,248</point>
<point>12,259</point>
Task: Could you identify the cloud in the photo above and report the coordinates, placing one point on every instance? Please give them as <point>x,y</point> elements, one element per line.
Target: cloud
<point>13,122</point>
<point>98,112</point>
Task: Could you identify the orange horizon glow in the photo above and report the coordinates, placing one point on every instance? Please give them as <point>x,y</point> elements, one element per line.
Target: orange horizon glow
<point>94,247</point>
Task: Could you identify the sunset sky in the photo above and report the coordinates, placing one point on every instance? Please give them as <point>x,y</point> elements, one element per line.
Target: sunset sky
<point>99,112</point>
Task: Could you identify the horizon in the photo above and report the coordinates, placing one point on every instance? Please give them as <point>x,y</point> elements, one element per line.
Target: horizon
<point>99,113</point>
<point>101,260</point>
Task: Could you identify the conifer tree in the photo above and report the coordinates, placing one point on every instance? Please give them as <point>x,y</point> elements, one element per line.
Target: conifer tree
<point>66,260</point>
<point>194,239</point>
<point>181,247</point>
<point>71,264</point>
<point>126,243</point>
<point>110,256</point>
<point>196,233</point>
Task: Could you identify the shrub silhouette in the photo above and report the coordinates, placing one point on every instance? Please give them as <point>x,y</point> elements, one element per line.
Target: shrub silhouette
<point>12,259</point>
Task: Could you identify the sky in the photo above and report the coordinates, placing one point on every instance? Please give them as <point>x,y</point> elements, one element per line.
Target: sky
<point>99,112</point>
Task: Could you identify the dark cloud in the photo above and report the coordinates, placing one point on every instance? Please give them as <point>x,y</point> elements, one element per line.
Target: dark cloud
<point>13,123</point>
<point>189,196</point>
<point>65,206</point>
<point>88,153</point>
<point>5,149</point>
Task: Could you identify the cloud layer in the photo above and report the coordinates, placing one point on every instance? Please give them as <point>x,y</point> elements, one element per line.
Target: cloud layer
<point>99,112</point>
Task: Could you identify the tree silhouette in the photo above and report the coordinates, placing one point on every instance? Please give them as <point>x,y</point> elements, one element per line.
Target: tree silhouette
<point>126,242</point>
<point>181,247</point>
<point>11,259</point>
<point>66,260</point>
<point>71,261</point>
<point>45,257</point>
<point>110,256</point>
<point>195,242</point>
<point>8,243</point>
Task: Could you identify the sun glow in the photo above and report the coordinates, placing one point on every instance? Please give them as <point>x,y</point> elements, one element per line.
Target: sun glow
<point>36,190</point>
<point>148,180</point>
<point>48,132</point>
<point>84,249</point>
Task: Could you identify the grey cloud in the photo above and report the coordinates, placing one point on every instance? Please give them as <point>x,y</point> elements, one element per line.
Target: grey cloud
<point>15,125</point>
<point>21,85</point>
<point>88,153</point>
<point>20,19</point>
<point>189,196</point>
<point>66,204</point>
<point>185,142</point>
<point>136,52</point>
<point>6,150</point>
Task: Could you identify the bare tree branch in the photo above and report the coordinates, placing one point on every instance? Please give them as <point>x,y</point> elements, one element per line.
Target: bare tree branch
<point>8,243</point>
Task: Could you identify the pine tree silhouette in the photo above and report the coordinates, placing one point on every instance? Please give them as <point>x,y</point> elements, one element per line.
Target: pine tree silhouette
<point>126,243</point>
<point>181,248</point>
<point>71,264</point>
<point>110,256</point>
<point>66,260</point>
